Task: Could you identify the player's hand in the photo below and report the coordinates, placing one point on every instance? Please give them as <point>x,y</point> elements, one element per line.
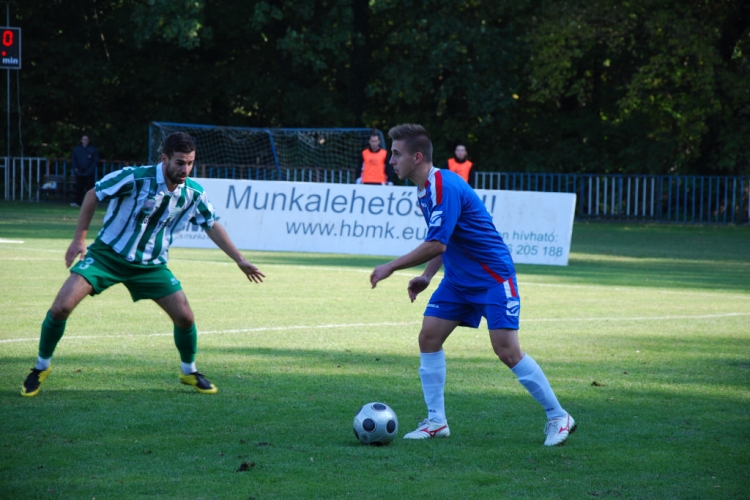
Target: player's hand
<point>380,273</point>
<point>75,249</point>
<point>416,286</point>
<point>253,273</point>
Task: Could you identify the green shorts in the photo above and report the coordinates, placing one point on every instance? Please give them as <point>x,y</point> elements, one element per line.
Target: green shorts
<point>103,267</point>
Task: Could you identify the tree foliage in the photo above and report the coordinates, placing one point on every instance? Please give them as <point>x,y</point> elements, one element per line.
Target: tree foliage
<point>648,86</point>
<point>647,79</point>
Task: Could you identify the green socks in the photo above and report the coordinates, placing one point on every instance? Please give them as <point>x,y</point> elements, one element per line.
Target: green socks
<point>186,340</point>
<point>52,332</point>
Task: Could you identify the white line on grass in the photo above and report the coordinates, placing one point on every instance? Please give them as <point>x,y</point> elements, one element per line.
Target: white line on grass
<point>403,323</point>
<point>356,270</point>
<point>234,330</point>
<point>409,273</point>
<point>29,259</point>
<point>60,251</point>
<point>642,318</point>
<point>634,288</point>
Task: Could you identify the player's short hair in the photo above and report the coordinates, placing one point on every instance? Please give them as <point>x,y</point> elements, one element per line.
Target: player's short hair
<point>179,142</point>
<point>415,137</point>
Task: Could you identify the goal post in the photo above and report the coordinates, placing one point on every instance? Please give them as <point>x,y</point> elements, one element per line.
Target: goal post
<point>269,152</point>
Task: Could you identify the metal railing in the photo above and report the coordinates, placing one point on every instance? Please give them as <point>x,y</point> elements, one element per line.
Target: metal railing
<point>687,199</point>
<point>22,177</point>
<point>710,199</point>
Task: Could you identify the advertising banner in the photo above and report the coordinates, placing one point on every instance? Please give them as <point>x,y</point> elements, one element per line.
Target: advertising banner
<point>372,220</point>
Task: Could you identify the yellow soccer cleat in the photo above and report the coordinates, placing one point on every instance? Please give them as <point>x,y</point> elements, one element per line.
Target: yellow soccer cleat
<point>199,382</point>
<point>33,382</point>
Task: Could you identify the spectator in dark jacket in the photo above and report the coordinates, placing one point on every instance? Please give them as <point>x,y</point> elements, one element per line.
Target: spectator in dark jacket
<point>85,162</point>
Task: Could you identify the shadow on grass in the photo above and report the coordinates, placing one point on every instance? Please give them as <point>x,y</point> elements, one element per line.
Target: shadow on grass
<point>656,255</point>
<point>671,274</point>
<point>26,221</point>
<point>277,408</point>
<point>713,359</point>
<point>663,241</point>
<point>280,383</point>
<point>677,365</point>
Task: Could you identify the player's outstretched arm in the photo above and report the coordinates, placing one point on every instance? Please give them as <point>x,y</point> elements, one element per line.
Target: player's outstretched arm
<point>219,235</point>
<point>78,245</point>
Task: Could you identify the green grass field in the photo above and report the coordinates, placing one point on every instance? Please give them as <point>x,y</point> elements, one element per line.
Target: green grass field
<point>645,338</point>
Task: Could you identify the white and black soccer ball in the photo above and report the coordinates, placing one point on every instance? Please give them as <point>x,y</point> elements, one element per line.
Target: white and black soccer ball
<point>376,424</point>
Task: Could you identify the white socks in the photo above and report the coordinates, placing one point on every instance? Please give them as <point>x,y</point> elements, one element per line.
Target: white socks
<point>530,375</point>
<point>188,368</point>
<point>532,378</point>
<point>432,374</point>
<point>42,364</point>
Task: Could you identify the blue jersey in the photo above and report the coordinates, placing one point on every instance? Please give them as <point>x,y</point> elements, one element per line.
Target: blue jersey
<point>476,255</point>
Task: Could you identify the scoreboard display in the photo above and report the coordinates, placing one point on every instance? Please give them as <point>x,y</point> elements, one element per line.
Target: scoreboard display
<point>10,48</point>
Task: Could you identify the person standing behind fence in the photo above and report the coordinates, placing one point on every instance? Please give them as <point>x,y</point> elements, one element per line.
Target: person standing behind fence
<point>375,168</point>
<point>85,162</point>
<point>461,165</point>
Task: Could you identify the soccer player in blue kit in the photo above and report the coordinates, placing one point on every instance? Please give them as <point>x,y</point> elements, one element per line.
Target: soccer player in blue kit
<point>479,281</point>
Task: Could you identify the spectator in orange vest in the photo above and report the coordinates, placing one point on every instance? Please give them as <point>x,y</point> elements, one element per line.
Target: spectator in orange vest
<point>461,165</point>
<point>375,168</point>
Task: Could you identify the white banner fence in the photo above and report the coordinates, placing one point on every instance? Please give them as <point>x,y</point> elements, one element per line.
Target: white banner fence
<point>373,220</point>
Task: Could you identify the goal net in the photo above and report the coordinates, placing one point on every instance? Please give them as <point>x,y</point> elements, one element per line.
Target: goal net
<point>267,153</point>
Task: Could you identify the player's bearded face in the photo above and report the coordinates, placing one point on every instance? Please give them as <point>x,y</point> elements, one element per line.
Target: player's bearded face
<point>178,167</point>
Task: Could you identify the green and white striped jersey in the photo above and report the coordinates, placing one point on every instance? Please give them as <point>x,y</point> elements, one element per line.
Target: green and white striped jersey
<point>143,216</point>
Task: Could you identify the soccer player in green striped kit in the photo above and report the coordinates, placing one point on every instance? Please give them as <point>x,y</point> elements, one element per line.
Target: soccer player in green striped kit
<point>148,206</point>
